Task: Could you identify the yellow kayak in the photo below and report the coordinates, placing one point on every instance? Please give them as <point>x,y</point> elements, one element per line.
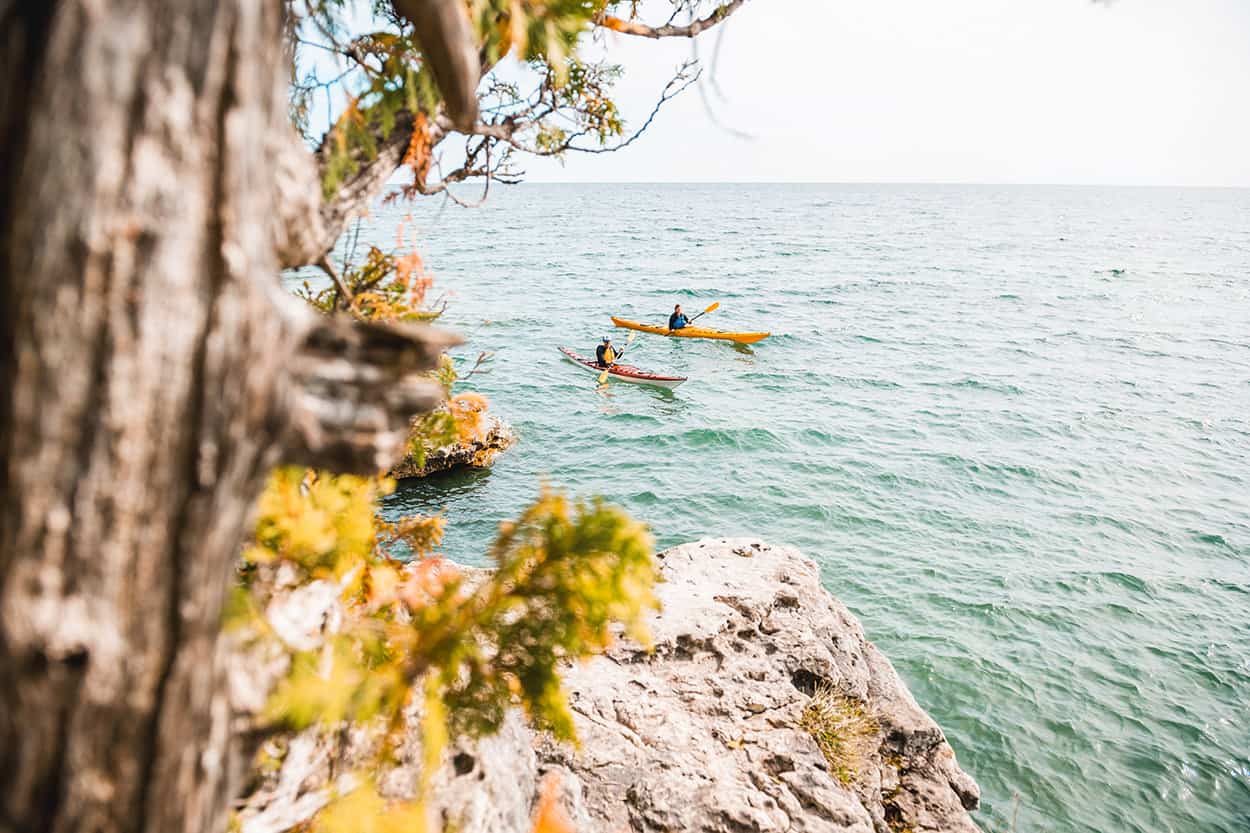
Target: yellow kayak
<point>690,331</point>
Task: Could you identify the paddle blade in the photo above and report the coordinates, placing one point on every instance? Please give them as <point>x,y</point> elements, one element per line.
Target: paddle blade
<point>603,378</point>
<point>711,308</point>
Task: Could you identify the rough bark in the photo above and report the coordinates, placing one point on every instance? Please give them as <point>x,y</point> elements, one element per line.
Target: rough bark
<point>350,384</point>
<point>306,226</point>
<point>150,374</point>
<point>450,49</point>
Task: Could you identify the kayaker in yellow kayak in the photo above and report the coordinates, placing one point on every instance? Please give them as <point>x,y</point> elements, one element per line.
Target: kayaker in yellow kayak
<point>605,354</point>
<point>678,319</point>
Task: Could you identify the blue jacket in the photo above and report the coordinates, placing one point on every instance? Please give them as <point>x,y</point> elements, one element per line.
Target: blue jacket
<point>677,320</point>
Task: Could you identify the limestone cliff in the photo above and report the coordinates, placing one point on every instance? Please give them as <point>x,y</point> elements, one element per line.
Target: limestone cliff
<point>704,732</point>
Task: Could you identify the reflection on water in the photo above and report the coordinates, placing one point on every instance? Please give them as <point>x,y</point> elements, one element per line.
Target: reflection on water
<point>430,495</point>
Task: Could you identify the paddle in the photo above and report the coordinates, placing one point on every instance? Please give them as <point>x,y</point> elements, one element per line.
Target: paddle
<point>712,308</point>
<point>690,321</point>
<point>603,377</point>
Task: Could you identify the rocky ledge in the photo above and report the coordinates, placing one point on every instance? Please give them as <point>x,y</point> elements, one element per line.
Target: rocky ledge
<point>761,707</point>
<point>497,436</point>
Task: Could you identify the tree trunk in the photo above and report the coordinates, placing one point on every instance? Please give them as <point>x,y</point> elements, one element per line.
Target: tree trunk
<point>149,377</point>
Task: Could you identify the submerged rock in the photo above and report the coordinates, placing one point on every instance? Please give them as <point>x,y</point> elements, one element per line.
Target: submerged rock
<point>496,437</point>
<point>704,732</point>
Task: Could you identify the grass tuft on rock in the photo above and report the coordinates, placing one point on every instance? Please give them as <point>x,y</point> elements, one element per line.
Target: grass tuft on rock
<point>843,729</point>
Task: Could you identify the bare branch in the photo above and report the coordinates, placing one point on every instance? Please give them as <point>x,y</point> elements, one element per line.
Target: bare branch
<point>311,232</point>
<point>477,369</point>
<point>674,88</point>
<point>316,233</point>
<point>343,296</point>
<point>668,30</point>
<point>508,129</point>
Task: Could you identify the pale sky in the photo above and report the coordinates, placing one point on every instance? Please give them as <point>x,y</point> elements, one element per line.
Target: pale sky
<point>1150,92</point>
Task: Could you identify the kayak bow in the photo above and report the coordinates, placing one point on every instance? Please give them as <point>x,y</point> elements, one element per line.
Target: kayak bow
<point>624,372</point>
<point>691,332</point>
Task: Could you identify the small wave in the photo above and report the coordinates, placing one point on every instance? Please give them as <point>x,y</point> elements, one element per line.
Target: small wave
<point>978,384</point>
<point>859,382</point>
<point>1026,472</point>
<point>1229,586</point>
<point>741,439</point>
<point>1094,519</point>
<point>693,293</point>
<point>1125,580</point>
<point>817,437</point>
<point>631,417</point>
<point>1215,539</point>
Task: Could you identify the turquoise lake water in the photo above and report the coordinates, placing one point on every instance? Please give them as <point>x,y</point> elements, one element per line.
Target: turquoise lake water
<point>1011,424</point>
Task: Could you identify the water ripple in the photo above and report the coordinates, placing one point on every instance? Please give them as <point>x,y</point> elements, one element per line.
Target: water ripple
<point>1010,423</point>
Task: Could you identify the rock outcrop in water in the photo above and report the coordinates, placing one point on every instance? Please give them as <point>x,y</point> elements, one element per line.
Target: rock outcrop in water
<point>704,732</point>
<point>496,437</point>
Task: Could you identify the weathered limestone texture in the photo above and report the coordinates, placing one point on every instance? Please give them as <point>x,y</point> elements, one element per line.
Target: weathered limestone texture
<point>698,734</point>
<point>478,453</point>
<point>701,734</point>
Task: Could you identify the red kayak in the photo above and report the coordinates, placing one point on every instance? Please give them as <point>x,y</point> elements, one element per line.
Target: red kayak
<point>624,372</point>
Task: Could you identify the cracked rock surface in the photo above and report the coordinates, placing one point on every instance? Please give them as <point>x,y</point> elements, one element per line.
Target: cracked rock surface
<point>699,734</point>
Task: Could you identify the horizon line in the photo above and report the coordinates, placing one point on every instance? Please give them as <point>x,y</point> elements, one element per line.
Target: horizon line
<point>1237,187</point>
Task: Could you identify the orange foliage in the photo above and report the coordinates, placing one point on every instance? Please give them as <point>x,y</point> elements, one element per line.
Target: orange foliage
<point>425,581</point>
<point>468,410</point>
<point>418,156</point>
<point>550,816</point>
<point>420,532</point>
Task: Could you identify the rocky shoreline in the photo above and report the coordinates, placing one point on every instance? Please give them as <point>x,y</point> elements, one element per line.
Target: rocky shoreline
<point>713,729</point>
<point>496,437</point>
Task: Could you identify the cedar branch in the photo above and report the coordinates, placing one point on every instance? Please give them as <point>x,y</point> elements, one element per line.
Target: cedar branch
<point>668,30</point>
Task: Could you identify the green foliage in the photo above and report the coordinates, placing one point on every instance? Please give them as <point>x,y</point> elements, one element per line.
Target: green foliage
<point>459,420</point>
<point>585,91</point>
<point>386,79</point>
<point>364,810</point>
<point>466,648</point>
<point>385,287</point>
<point>350,681</point>
<point>391,287</point>
<point>419,632</point>
<point>564,572</point>
<point>843,729</point>
<point>531,30</point>
<point>316,522</point>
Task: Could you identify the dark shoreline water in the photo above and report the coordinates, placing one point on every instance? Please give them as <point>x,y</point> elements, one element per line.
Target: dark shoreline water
<point>1011,423</point>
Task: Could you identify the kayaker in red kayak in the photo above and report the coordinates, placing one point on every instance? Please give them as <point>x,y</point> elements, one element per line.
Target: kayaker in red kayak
<point>605,354</point>
<point>678,319</point>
